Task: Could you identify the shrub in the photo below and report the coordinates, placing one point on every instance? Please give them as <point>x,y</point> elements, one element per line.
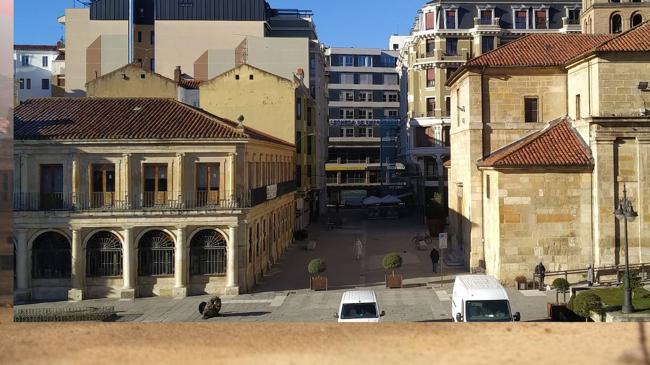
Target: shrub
<point>561,285</point>
<point>521,279</point>
<point>584,303</point>
<point>635,279</point>
<point>392,261</point>
<point>316,266</point>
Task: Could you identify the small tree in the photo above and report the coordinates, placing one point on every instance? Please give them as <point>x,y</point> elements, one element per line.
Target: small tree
<point>635,280</point>
<point>584,303</point>
<point>392,261</point>
<point>560,285</point>
<point>316,267</point>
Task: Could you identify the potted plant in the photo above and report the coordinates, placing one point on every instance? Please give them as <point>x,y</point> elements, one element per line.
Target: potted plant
<point>522,282</point>
<point>315,268</point>
<point>560,285</point>
<point>391,262</point>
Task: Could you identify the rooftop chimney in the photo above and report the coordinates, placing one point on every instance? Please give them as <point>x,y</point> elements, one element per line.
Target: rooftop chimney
<point>177,74</point>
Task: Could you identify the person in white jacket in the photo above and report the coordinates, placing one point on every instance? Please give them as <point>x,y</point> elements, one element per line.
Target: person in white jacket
<point>357,249</point>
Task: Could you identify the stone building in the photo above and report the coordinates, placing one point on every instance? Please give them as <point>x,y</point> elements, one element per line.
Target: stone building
<point>611,17</point>
<point>282,108</point>
<point>546,133</point>
<point>444,36</point>
<point>134,197</point>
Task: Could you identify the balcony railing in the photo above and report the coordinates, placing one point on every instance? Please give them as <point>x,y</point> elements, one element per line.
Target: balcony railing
<point>110,201</point>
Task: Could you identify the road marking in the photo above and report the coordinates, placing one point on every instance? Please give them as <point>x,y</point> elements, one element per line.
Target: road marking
<point>533,293</point>
<point>277,301</point>
<point>442,296</point>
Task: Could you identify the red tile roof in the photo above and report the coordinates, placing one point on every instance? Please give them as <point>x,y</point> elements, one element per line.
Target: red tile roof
<point>636,39</point>
<point>556,146</point>
<point>539,50</point>
<point>191,84</point>
<point>123,118</point>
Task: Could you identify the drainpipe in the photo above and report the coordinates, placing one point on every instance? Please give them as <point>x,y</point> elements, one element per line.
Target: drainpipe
<point>130,32</point>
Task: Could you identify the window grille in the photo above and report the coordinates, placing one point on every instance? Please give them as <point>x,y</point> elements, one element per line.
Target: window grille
<point>208,253</point>
<point>156,254</point>
<point>51,258</point>
<point>104,255</point>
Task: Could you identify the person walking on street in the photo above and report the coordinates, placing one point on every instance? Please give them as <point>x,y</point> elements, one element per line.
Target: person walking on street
<point>357,249</point>
<point>590,275</point>
<point>435,257</point>
<point>540,271</point>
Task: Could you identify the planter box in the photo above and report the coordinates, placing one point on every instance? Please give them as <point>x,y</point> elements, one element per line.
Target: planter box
<point>522,286</point>
<point>394,281</point>
<point>318,283</point>
<point>555,311</point>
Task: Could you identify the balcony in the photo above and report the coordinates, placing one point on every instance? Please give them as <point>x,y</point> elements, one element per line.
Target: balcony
<point>116,202</point>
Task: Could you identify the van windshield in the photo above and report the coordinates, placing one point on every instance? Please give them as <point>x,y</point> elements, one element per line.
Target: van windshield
<point>359,311</point>
<point>487,311</point>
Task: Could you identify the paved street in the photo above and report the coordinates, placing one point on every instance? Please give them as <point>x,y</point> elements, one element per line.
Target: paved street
<point>284,296</point>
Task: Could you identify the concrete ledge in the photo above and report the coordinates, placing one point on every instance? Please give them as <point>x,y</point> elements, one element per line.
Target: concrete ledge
<point>612,317</point>
<point>179,292</point>
<point>75,295</point>
<point>127,294</point>
<point>231,290</point>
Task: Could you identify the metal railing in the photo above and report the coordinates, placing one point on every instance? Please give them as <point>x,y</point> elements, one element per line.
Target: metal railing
<point>194,200</point>
<point>599,272</point>
<point>67,314</point>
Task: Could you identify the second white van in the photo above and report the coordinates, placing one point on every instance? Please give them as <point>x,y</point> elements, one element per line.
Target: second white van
<point>480,298</point>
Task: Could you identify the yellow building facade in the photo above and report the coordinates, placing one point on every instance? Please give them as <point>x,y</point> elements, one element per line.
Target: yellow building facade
<point>168,201</point>
<point>279,107</point>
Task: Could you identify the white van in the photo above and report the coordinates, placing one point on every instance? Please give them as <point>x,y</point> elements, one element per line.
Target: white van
<point>359,306</point>
<point>480,298</point>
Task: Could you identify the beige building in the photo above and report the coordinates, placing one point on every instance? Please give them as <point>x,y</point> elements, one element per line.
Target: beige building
<point>546,132</point>
<point>6,219</point>
<point>135,197</point>
<point>134,81</point>
<point>279,107</point>
<point>612,17</point>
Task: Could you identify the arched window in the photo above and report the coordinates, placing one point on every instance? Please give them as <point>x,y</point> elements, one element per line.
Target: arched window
<point>156,254</point>
<point>51,257</point>
<point>208,253</point>
<point>636,19</point>
<point>616,25</point>
<point>104,255</point>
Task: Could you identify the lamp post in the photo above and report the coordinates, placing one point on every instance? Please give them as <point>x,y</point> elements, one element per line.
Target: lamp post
<point>625,213</point>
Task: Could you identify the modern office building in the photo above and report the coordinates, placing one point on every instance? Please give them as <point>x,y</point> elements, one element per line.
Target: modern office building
<point>135,197</point>
<point>364,109</point>
<point>444,36</point>
<point>34,69</point>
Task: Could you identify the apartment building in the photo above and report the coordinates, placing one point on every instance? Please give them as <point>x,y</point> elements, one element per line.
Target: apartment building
<point>35,69</point>
<point>136,197</point>
<point>364,108</point>
<point>548,132</point>
<point>279,107</point>
<point>444,36</point>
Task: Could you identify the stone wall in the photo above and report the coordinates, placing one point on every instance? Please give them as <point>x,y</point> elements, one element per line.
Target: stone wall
<point>542,217</point>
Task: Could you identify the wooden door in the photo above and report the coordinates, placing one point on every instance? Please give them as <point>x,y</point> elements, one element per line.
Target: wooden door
<point>103,185</point>
<point>155,184</point>
<point>51,187</point>
<point>207,184</point>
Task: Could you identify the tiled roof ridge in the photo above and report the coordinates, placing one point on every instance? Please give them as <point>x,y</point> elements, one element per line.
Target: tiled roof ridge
<point>618,37</point>
<point>525,140</point>
<point>206,114</point>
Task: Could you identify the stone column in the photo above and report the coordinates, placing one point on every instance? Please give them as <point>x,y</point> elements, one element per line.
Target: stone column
<point>77,272</point>
<point>75,180</point>
<point>178,188</point>
<point>128,270</point>
<point>180,278</point>
<point>232,163</point>
<point>24,181</point>
<point>126,180</point>
<point>23,292</point>
<point>232,285</point>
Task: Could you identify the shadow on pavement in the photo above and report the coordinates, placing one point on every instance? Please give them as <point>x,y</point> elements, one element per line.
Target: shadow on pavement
<point>243,314</point>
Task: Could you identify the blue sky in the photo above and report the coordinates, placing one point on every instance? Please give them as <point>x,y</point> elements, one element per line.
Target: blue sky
<point>340,23</point>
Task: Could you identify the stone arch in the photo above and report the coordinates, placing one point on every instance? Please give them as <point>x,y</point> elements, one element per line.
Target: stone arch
<point>208,252</point>
<point>51,255</point>
<point>30,242</point>
<point>615,23</point>
<point>87,238</point>
<point>636,19</point>
<point>156,253</point>
<point>104,250</point>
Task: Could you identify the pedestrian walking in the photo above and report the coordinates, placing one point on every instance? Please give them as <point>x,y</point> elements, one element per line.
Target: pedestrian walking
<point>590,275</point>
<point>540,271</point>
<point>357,249</point>
<point>435,257</point>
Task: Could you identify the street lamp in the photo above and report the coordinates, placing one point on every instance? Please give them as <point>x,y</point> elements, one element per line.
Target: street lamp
<point>625,213</point>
